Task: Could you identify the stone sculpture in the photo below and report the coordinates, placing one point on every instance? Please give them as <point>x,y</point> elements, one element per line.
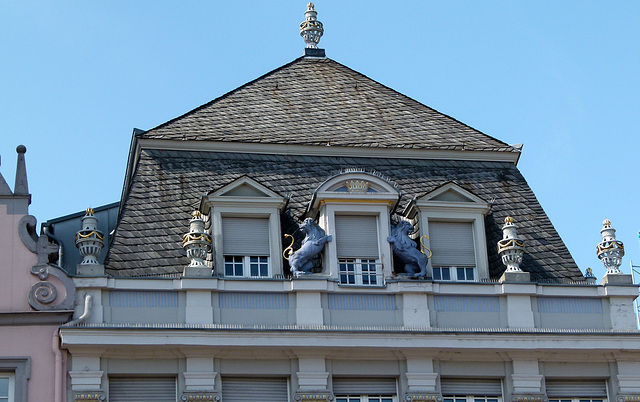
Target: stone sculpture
<point>415,262</point>
<point>301,261</point>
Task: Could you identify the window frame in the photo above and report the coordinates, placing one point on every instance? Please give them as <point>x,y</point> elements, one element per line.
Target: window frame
<point>366,398</point>
<point>10,395</point>
<point>226,203</point>
<point>18,369</point>
<point>471,398</point>
<point>333,198</point>
<point>453,274</point>
<point>246,266</point>
<point>427,209</point>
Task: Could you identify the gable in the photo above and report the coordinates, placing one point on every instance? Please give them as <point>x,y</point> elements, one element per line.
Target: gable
<point>244,190</point>
<point>451,195</point>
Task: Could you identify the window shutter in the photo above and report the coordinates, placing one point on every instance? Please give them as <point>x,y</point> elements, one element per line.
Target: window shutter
<point>364,386</point>
<point>586,388</point>
<point>452,244</point>
<point>245,236</point>
<point>468,386</point>
<point>142,389</point>
<point>357,236</point>
<point>237,389</point>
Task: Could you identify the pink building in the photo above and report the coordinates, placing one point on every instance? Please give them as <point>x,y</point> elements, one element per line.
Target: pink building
<point>35,298</point>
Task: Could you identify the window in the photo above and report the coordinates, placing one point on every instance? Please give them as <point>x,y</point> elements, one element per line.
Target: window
<point>576,390</point>
<point>357,249</point>
<point>471,390</point>
<point>245,246</point>
<point>454,274</point>
<point>365,398</point>
<point>245,229</point>
<point>470,398</point>
<point>14,373</point>
<point>142,389</point>
<point>451,223</point>
<point>579,400</point>
<point>453,247</point>
<point>365,389</point>
<point>243,266</point>
<point>6,387</point>
<point>243,389</point>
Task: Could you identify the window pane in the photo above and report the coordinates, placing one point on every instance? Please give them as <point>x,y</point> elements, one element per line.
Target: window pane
<point>4,387</point>
<point>438,276</point>
<point>446,274</point>
<point>470,275</point>
<point>460,273</point>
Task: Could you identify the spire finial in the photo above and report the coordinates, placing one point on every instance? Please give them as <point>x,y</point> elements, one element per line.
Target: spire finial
<point>610,251</point>
<point>311,29</point>
<point>511,247</point>
<point>21,187</point>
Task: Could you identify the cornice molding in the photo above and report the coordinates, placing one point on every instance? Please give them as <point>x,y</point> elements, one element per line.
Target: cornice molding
<point>309,150</point>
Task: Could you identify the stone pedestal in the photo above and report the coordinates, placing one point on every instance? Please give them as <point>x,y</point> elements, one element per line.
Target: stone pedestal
<point>515,276</point>
<point>617,279</point>
<point>90,270</point>
<point>198,271</point>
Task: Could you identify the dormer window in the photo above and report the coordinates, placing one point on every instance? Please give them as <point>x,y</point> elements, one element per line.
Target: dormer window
<point>354,207</point>
<point>245,246</point>
<point>245,218</point>
<point>451,222</point>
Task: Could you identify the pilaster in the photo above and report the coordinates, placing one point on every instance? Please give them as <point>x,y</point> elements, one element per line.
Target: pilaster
<point>309,308</point>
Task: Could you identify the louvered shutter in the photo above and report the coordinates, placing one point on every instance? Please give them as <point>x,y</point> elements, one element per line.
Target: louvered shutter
<point>364,386</point>
<point>240,389</point>
<point>142,389</point>
<point>357,236</point>
<point>245,236</point>
<point>467,386</point>
<point>587,388</point>
<point>452,244</point>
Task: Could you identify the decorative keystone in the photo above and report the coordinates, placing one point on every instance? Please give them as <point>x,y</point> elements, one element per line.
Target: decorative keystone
<point>610,251</point>
<point>511,248</point>
<point>89,240</point>
<point>196,243</point>
<point>311,29</point>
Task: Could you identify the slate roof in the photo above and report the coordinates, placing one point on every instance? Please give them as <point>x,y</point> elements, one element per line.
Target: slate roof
<point>314,101</point>
<point>167,186</point>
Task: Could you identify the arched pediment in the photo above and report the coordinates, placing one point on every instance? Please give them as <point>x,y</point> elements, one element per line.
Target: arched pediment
<point>355,187</point>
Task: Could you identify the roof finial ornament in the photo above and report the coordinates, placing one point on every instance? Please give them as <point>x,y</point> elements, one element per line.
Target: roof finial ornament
<point>610,251</point>
<point>311,29</point>
<point>89,239</point>
<point>511,247</point>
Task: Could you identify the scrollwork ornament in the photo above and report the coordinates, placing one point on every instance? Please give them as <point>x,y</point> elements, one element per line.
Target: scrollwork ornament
<point>43,293</point>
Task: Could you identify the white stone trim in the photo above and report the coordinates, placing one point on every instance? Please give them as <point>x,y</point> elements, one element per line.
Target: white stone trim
<point>292,149</point>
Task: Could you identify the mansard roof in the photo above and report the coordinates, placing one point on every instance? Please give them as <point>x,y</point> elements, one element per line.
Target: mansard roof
<point>317,101</point>
<point>168,184</point>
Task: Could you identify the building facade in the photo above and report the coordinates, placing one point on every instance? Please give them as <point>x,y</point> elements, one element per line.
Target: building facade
<point>314,235</point>
<point>36,296</point>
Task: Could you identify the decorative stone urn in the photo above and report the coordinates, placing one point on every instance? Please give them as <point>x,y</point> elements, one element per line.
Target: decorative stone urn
<point>89,240</point>
<point>610,251</point>
<point>511,248</point>
<point>311,29</point>
<point>197,244</point>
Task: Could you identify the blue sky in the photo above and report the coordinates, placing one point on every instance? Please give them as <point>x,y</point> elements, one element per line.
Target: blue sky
<point>561,77</point>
